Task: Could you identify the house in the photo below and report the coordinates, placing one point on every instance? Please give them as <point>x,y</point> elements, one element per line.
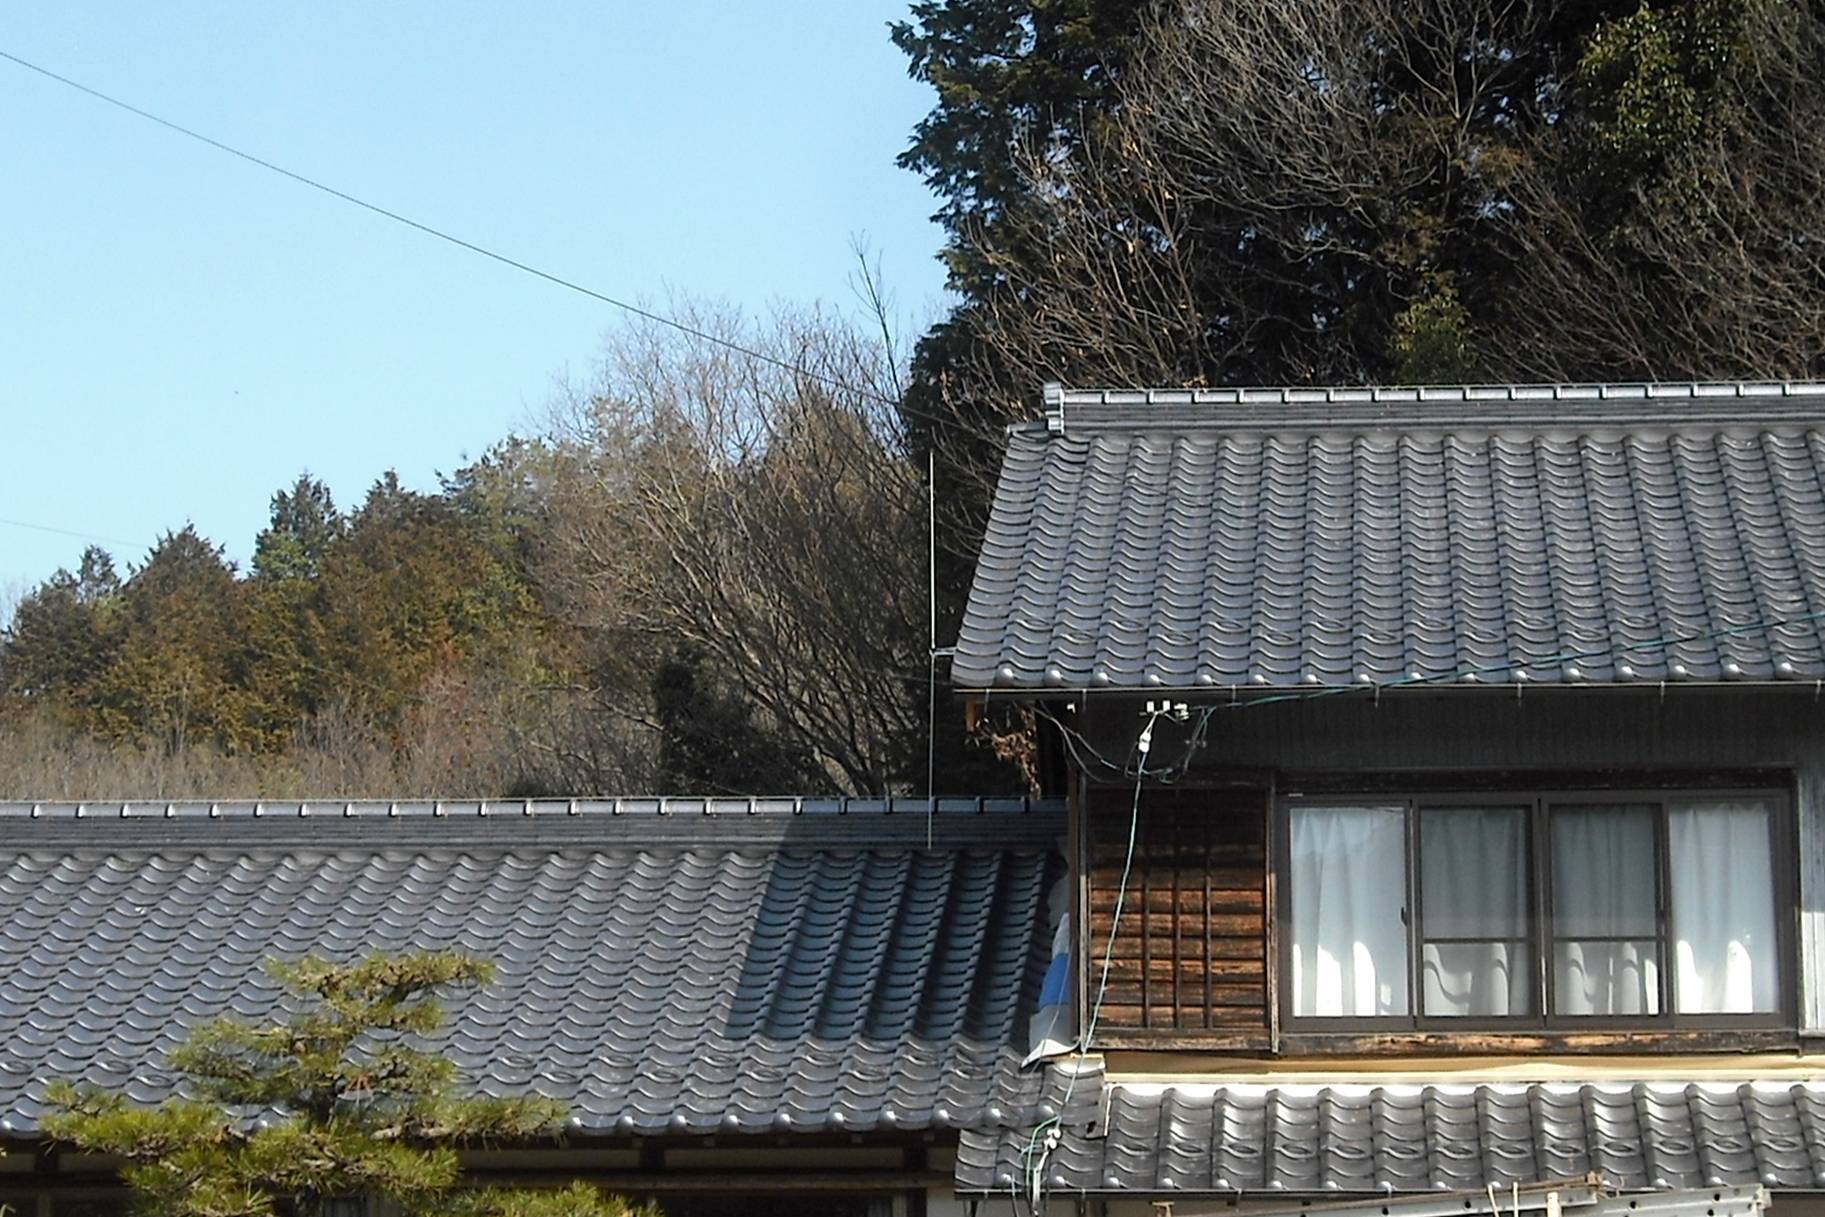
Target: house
<point>1443,810</point>
<point>1447,786</point>
<point>748,1005</point>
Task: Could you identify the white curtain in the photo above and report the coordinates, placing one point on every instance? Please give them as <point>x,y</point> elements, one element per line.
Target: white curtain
<point>1466,979</point>
<point>1613,978</point>
<point>1605,932</point>
<point>1473,884</point>
<point>1722,869</point>
<point>1349,875</point>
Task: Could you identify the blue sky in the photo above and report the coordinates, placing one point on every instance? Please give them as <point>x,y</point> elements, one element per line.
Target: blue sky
<point>181,333</point>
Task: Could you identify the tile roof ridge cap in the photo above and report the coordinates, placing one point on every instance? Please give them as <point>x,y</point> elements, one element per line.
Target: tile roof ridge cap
<point>625,805</point>
<point>1345,408</point>
<point>1057,396</point>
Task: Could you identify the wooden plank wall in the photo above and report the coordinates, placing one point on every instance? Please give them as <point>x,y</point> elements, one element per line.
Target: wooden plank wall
<point>1190,951</point>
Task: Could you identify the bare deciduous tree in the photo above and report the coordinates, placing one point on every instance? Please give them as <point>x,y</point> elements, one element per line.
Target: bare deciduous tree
<point>766,519</point>
<point>1280,194</point>
<point>1272,189</point>
<point>1285,192</point>
<point>1713,267</point>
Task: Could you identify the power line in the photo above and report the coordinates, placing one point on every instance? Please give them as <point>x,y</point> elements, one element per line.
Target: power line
<point>62,532</point>
<point>429,230</point>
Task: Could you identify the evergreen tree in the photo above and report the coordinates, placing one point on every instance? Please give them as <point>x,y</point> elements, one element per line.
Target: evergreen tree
<point>305,524</point>
<point>1008,74</point>
<point>1203,192</point>
<point>420,584</point>
<point>332,1101</point>
<point>1671,228</point>
<point>709,741</point>
<point>176,675</point>
<point>63,633</point>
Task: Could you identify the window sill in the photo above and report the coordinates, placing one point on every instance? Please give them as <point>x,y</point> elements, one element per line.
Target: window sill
<point>1253,1043</point>
<point>1458,1043</point>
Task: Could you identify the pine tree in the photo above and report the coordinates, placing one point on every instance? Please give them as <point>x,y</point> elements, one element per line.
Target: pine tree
<point>329,1102</point>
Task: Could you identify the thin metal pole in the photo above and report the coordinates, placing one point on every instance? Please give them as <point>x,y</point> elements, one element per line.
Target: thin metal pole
<point>931,655</point>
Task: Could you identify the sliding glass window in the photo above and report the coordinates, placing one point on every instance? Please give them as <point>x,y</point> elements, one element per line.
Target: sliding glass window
<point>1547,910</point>
<point>1349,913</point>
<point>1726,957</point>
<point>1475,940</point>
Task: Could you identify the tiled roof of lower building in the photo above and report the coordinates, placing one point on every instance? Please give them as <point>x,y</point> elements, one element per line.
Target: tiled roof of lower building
<point>681,966</point>
<point>1316,1140</point>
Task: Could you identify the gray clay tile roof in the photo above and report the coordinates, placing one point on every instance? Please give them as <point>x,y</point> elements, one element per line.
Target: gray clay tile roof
<point>1229,539</point>
<point>1316,1140</point>
<point>680,966</point>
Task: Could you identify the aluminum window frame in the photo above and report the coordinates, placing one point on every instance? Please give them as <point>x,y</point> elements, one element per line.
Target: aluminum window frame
<point>1538,803</point>
<point>1531,919</point>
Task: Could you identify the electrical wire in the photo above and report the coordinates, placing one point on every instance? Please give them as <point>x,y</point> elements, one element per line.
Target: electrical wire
<point>827,380</point>
<point>1047,1135</point>
<point>62,532</point>
<point>1050,1130</point>
<point>1092,760</point>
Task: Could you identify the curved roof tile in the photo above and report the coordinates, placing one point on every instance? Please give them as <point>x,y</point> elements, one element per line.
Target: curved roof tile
<point>1247,538</point>
<point>683,967</point>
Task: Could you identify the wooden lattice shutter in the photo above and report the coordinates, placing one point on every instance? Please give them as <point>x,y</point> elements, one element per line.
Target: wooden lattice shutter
<point>1191,950</point>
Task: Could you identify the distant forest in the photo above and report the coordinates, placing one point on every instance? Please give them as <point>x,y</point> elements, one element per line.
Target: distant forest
<point>707,572</point>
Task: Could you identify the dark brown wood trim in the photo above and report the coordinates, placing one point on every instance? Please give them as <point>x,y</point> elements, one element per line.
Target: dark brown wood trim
<point>1497,1043</point>
<point>1167,1040</point>
<point>1143,913</point>
<point>1209,971</point>
<point>1228,777</point>
<point>918,1162</point>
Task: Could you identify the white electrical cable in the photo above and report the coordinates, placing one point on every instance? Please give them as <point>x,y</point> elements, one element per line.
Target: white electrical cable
<point>1050,1132</point>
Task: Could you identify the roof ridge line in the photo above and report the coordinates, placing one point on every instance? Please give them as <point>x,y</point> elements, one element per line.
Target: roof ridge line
<point>501,809</point>
<point>1728,390</point>
<point>1421,406</point>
